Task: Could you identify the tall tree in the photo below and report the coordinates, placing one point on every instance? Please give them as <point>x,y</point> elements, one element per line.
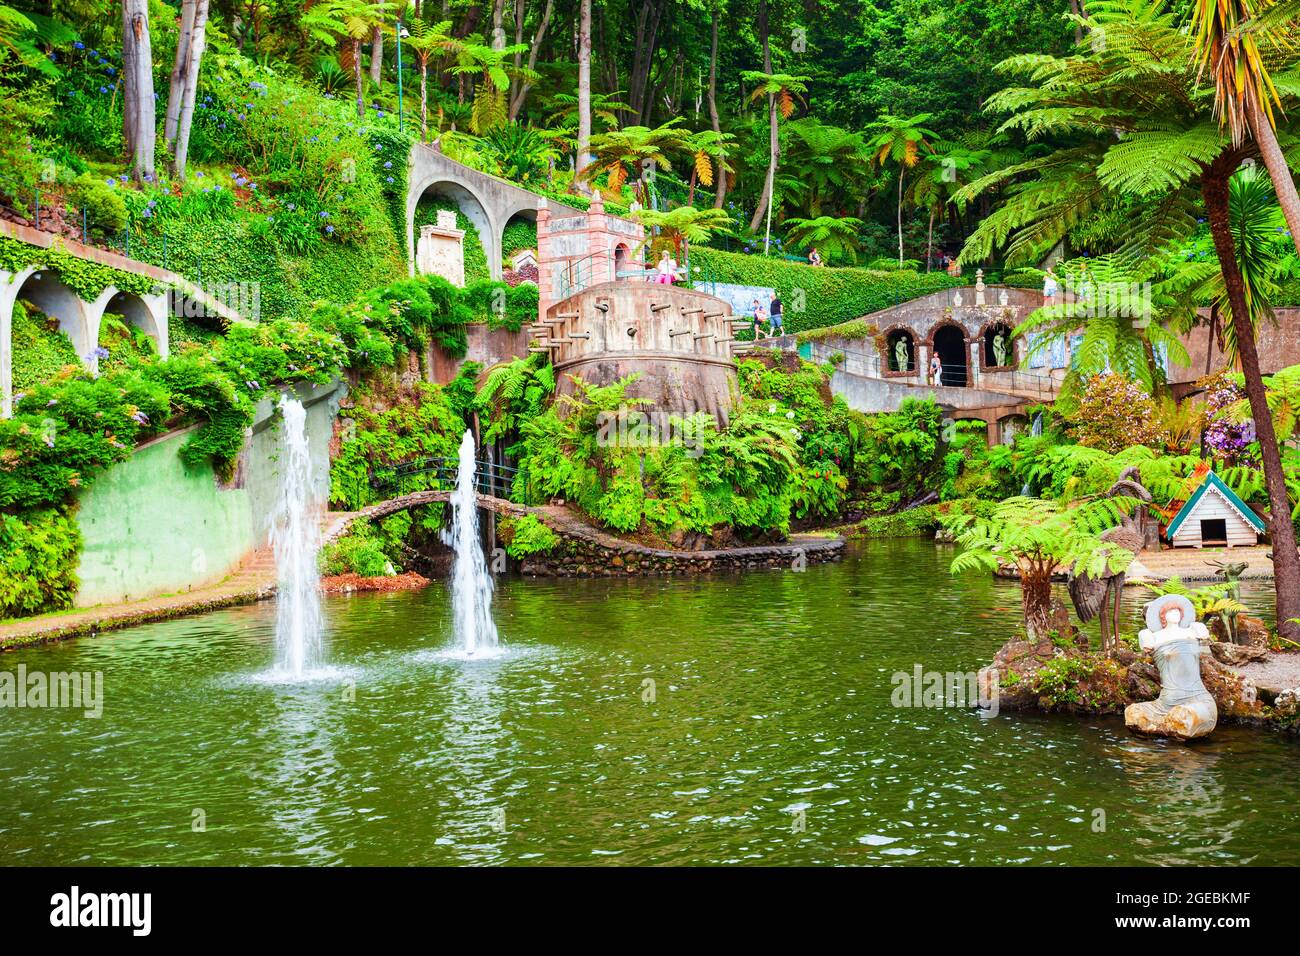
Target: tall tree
<point>584,84</point>
<point>521,86</point>
<point>139,118</point>
<point>190,44</point>
<point>1169,158</point>
<point>1244,94</point>
<point>358,19</point>
<point>781,90</point>
<point>426,40</point>
<point>720,193</point>
<point>900,141</point>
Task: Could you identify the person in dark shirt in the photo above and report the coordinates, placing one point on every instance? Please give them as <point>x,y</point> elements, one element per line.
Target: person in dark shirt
<point>777,326</point>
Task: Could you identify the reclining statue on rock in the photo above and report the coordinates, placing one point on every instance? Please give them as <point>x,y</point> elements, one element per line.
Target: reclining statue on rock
<point>1184,710</point>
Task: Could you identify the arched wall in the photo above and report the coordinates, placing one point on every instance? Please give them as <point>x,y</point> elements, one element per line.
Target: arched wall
<point>475,210</point>
<point>44,289</point>
<point>146,312</point>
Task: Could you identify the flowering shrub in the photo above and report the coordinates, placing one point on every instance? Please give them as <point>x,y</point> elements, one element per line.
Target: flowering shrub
<point>1230,440</point>
<point>1114,413</point>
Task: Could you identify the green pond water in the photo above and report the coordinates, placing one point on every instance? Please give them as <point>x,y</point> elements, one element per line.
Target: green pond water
<point>771,738</point>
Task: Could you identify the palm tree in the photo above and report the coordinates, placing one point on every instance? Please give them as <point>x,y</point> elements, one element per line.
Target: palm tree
<point>902,142</point>
<point>706,150</point>
<point>358,19</point>
<point>947,168</point>
<point>426,40</point>
<point>495,70</point>
<point>838,238</point>
<point>828,164</point>
<point>1244,93</point>
<point>1140,131</point>
<point>684,225</point>
<point>782,90</point>
<point>638,150</point>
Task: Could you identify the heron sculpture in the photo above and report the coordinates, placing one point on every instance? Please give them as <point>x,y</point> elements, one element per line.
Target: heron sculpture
<point>1104,596</point>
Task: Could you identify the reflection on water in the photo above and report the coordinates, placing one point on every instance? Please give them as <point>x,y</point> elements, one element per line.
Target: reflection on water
<point>702,720</point>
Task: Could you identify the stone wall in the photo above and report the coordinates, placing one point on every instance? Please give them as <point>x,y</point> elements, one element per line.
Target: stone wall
<point>591,558</point>
<point>151,525</point>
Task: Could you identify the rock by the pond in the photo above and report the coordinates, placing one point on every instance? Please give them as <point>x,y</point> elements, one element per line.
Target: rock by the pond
<point>1287,703</point>
<point>1237,654</point>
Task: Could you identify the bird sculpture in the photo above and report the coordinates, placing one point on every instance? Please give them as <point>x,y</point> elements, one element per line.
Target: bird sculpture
<point>1104,595</point>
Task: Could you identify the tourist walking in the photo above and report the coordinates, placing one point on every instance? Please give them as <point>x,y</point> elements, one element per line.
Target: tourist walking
<point>1050,287</point>
<point>760,316</point>
<point>778,327</point>
<point>936,370</point>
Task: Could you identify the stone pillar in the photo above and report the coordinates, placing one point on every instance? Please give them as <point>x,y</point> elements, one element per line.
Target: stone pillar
<point>923,362</point>
<point>545,279</point>
<point>976,375</point>
<point>598,245</point>
<point>441,250</point>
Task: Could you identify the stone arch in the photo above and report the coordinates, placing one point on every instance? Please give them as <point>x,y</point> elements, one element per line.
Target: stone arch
<point>890,339</point>
<point>147,312</point>
<point>43,288</point>
<point>474,207</point>
<point>519,213</point>
<point>949,340</point>
<point>987,340</point>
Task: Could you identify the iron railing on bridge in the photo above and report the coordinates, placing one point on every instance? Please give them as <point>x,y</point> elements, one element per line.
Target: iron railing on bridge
<point>436,473</point>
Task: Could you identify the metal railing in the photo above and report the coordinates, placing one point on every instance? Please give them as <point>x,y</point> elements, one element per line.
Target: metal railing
<point>439,474</point>
<point>872,365</point>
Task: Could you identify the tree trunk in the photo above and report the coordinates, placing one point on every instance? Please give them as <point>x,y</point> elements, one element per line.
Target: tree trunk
<point>176,88</point>
<point>424,99</point>
<point>900,216</point>
<point>377,54</point>
<point>356,75</point>
<point>929,242</point>
<point>1036,600</point>
<point>774,143</point>
<point>584,85</point>
<point>198,39</point>
<point>1286,558</point>
<point>517,101</point>
<point>719,177</point>
<point>138,107</point>
<point>1266,139</point>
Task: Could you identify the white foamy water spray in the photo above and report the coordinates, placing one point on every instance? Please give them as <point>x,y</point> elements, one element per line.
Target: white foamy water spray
<point>295,536</point>
<point>471,585</point>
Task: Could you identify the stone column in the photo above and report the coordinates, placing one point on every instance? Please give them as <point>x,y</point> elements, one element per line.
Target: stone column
<point>923,362</point>
<point>545,263</point>
<point>975,375</point>
<point>598,245</point>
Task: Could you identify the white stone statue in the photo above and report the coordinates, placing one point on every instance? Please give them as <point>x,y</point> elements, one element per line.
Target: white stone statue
<point>1184,710</point>
<point>979,287</point>
<point>900,356</point>
<point>1000,348</point>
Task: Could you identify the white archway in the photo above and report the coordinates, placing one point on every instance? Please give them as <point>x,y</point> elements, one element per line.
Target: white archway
<point>43,288</point>
<point>147,312</point>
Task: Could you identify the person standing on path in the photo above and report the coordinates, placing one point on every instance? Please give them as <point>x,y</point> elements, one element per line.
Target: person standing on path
<point>778,327</point>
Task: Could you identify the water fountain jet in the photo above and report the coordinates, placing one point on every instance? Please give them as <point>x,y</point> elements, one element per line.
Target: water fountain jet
<point>471,585</point>
<point>295,538</point>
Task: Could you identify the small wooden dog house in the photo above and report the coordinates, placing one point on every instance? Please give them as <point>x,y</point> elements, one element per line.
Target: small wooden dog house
<point>1214,517</point>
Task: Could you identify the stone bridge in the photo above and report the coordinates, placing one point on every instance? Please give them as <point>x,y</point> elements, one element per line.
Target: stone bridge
<point>489,202</point>
<point>80,319</point>
<point>969,330</point>
<point>588,551</point>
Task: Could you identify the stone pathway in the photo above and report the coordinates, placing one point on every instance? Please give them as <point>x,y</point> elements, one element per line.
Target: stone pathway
<point>1278,673</point>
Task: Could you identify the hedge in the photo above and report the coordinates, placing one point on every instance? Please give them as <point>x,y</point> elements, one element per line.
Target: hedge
<point>828,296</point>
